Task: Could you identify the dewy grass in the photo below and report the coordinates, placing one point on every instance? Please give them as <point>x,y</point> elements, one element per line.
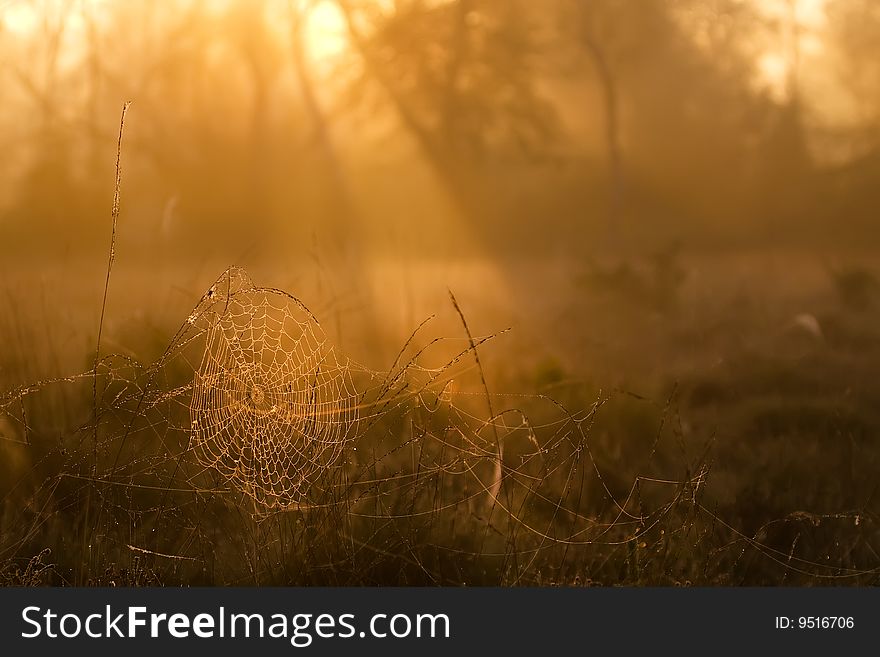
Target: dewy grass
<point>253,451</point>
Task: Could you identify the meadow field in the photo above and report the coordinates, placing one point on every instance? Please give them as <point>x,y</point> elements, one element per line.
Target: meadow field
<point>723,436</point>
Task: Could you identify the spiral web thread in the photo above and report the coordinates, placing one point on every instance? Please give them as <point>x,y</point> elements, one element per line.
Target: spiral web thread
<point>249,401</point>
<point>272,405</point>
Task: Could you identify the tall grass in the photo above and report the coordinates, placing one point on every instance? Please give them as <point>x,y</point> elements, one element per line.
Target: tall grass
<point>443,481</point>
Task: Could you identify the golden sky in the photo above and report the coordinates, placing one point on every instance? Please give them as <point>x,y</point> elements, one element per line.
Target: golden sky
<point>325,27</point>
<point>326,39</point>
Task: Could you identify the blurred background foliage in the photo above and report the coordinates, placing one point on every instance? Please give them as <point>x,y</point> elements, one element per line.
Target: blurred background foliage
<point>485,126</point>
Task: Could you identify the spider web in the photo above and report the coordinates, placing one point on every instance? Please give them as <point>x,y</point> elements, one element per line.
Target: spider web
<point>252,450</point>
<point>272,406</point>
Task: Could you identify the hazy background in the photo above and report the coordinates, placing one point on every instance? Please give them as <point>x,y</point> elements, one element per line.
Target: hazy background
<point>672,198</point>
<point>497,135</point>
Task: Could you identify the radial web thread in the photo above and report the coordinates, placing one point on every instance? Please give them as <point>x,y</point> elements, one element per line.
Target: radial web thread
<point>272,405</point>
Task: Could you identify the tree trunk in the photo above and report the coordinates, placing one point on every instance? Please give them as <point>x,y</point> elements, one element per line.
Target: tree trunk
<point>612,131</point>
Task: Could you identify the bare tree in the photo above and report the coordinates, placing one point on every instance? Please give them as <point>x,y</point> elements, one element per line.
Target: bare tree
<point>460,78</point>
<point>611,104</point>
